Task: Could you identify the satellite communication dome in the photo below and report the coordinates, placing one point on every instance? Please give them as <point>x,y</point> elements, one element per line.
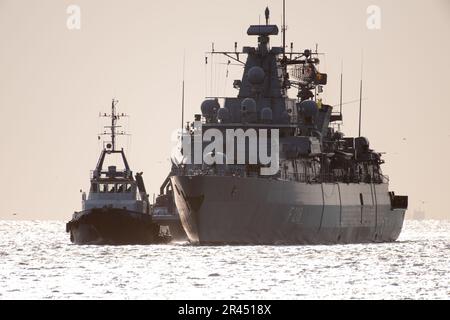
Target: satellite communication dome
<point>248,105</point>
<point>309,108</point>
<point>256,75</point>
<point>209,107</point>
<point>266,115</point>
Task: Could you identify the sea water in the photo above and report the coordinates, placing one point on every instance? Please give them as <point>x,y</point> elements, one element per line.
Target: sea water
<point>37,261</point>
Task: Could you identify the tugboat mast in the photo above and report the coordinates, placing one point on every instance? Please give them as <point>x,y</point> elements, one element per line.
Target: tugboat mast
<point>113,124</point>
<point>111,146</point>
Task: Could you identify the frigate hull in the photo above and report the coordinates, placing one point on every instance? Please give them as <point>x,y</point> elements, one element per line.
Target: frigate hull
<point>234,210</point>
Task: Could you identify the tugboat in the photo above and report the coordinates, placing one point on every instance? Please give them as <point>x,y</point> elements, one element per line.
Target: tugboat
<point>117,209</point>
<point>320,188</point>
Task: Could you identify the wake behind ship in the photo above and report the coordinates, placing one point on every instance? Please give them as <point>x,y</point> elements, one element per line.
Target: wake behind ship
<point>327,188</point>
<point>116,210</point>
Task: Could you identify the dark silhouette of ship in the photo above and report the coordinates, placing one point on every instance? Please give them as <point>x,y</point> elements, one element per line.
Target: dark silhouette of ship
<point>117,210</point>
<point>327,188</point>
<point>165,213</point>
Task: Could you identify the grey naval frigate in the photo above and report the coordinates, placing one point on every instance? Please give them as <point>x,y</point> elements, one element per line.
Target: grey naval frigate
<point>327,188</point>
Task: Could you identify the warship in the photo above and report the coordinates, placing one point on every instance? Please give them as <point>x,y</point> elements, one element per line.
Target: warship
<point>327,188</point>
<point>117,209</point>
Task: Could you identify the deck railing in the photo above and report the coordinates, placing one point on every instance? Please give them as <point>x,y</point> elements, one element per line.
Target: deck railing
<point>288,176</point>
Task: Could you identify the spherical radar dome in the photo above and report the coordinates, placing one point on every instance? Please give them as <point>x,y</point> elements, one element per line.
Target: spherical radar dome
<point>309,108</point>
<point>209,107</point>
<point>256,75</point>
<point>248,105</point>
<point>266,114</point>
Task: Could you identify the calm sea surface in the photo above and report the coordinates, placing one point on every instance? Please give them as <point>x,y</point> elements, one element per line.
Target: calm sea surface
<point>37,261</point>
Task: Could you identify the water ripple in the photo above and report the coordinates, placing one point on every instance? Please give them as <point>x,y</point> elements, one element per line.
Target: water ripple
<point>39,262</point>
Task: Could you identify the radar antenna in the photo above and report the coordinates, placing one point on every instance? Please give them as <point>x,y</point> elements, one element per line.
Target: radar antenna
<point>111,145</point>
<point>360,93</point>
<point>283,29</point>
<point>340,94</point>
<point>182,94</point>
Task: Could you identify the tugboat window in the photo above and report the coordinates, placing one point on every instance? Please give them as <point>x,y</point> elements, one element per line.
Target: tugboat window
<point>120,188</point>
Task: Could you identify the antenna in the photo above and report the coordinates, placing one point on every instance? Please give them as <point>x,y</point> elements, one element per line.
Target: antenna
<point>212,69</point>
<point>340,97</point>
<point>283,29</point>
<point>360,93</point>
<point>113,123</point>
<point>113,127</point>
<point>182,94</point>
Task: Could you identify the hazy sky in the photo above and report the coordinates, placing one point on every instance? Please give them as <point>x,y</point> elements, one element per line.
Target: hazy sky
<point>54,82</point>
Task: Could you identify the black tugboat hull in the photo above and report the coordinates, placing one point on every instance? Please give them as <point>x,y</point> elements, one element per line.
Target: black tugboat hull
<point>112,226</point>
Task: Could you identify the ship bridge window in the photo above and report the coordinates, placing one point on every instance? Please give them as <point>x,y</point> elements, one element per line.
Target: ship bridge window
<point>102,188</point>
<point>120,188</point>
<point>111,188</point>
<point>128,187</point>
